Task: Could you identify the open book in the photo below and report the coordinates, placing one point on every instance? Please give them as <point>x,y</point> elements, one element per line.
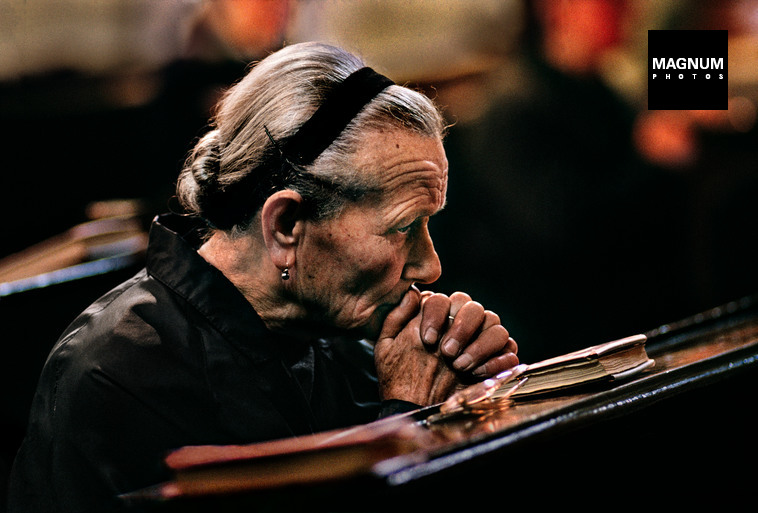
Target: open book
<point>610,361</point>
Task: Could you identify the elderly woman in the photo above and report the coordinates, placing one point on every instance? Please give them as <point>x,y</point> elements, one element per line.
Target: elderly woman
<point>306,230</point>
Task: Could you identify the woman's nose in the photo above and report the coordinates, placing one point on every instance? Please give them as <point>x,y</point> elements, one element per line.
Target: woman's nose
<point>423,265</point>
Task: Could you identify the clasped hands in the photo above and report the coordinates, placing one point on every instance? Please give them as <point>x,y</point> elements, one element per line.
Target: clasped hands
<point>432,344</point>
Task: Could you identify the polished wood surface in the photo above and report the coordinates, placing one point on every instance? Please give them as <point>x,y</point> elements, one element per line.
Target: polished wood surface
<point>685,431</point>
<point>684,361</point>
<point>680,433</point>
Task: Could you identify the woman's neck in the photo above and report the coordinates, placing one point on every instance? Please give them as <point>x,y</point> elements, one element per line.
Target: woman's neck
<point>244,262</point>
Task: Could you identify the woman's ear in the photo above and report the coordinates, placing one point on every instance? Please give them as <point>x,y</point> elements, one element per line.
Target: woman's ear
<point>282,223</point>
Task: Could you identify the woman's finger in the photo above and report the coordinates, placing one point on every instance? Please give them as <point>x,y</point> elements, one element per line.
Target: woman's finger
<point>435,313</point>
<point>489,343</point>
<point>467,323</point>
<point>401,315</point>
<point>496,365</point>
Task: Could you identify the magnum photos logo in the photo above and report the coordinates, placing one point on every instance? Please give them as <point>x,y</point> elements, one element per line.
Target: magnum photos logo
<point>687,69</point>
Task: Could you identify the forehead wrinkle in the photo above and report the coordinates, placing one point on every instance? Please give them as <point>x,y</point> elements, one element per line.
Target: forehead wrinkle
<point>430,178</point>
<point>401,164</point>
<point>416,199</point>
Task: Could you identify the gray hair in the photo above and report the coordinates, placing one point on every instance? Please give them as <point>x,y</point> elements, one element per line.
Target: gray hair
<point>278,95</point>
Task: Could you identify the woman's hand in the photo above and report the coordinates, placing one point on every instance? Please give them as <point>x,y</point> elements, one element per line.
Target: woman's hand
<point>470,336</point>
<point>422,357</point>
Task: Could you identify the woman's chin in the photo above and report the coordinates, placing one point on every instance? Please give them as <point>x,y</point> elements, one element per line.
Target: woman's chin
<point>373,327</point>
<point>370,323</point>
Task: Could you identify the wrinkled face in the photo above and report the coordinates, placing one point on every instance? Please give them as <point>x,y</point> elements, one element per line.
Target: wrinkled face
<point>353,269</point>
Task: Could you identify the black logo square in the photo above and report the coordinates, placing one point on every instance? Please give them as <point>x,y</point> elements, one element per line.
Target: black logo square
<point>688,69</point>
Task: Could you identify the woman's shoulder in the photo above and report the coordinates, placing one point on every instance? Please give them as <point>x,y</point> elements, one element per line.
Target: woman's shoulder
<point>126,323</point>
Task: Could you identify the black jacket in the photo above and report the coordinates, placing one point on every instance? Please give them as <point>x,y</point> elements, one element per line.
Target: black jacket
<point>175,356</point>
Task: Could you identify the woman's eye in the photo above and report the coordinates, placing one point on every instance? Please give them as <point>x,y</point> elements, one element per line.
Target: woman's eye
<point>415,225</point>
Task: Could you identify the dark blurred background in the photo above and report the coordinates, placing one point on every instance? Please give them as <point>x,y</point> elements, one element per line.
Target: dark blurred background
<point>573,211</point>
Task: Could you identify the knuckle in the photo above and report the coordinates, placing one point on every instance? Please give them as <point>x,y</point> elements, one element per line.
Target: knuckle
<point>512,345</point>
<point>498,331</point>
<point>473,310</point>
<point>509,360</point>
<point>436,300</point>
<point>491,317</point>
<point>460,297</point>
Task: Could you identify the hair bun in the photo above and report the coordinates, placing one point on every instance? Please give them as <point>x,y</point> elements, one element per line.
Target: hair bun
<point>207,162</point>
<point>198,186</point>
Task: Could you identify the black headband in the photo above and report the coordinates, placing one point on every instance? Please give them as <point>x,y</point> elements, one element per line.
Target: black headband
<point>235,202</point>
<point>342,103</point>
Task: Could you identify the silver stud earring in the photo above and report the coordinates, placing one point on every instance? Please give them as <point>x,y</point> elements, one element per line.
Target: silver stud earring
<point>286,273</point>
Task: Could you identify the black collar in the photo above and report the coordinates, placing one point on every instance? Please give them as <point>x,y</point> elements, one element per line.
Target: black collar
<point>173,260</point>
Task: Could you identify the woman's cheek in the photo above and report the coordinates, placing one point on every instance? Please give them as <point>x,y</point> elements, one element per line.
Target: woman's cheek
<point>378,277</point>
